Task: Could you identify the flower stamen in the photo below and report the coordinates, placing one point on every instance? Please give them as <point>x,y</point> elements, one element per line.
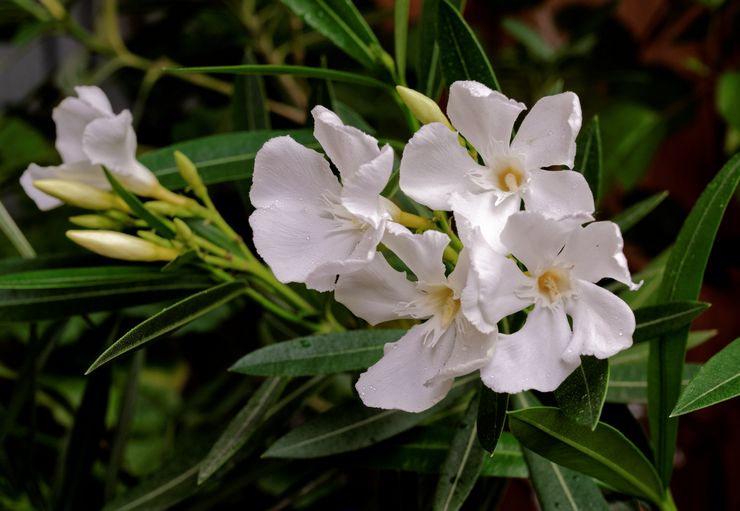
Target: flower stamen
<point>510,179</point>
<point>553,283</point>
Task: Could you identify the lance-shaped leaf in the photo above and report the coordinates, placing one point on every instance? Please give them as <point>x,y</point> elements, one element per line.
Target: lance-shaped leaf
<point>718,380</point>
<point>682,281</point>
<point>581,396</point>
<point>81,277</point>
<point>138,208</point>
<point>589,160</point>
<point>342,24</point>
<point>249,102</point>
<point>318,354</point>
<point>628,382</point>
<point>460,53</point>
<point>639,352</point>
<point>400,36</point>
<point>219,158</point>
<point>656,320</point>
<point>462,466</point>
<point>170,319</point>
<point>491,417</point>
<point>241,427</point>
<point>351,427</point>
<point>603,453</point>
<point>633,214</point>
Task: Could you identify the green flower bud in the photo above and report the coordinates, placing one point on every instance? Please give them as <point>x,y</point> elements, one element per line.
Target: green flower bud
<point>81,195</point>
<point>423,108</point>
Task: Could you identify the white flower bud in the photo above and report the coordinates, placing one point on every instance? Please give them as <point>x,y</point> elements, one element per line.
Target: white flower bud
<point>80,194</point>
<point>121,246</point>
<point>423,108</point>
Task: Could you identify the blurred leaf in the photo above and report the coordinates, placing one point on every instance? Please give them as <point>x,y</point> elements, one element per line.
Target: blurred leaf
<point>241,427</point>
<point>589,160</point>
<point>682,280</point>
<point>400,36</point>
<point>219,158</point>
<point>460,53</point>
<point>628,382</point>
<point>427,66</point>
<point>651,276</point>
<point>318,354</point>
<point>727,97</point>
<point>717,381</point>
<point>169,319</point>
<point>530,39</point>
<point>462,466</point>
<point>491,417</point>
<point>249,102</point>
<point>352,117</point>
<point>632,215</point>
<point>603,453</point>
<point>20,145</point>
<point>342,24</point>
<point>138,208</point>
<point>656,320</point>
<point>16,237</point>
<point>81,277</point>
<point>581,396</point>
<point>640,351</point>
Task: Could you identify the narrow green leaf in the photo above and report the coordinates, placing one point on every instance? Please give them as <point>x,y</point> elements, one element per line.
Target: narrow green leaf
<point>138,207</point>
<point>491,417</point>
<point>342,24</point>
<point>682,281</point>
<point>400,36</point>
<point>427,65</point>
<point>640,351</point>
<point>632,215</point>
<point>717,381</point>
<point>603,453</point>
<point>241,427</point>
<point>589,158</point>
<point>219,158</point>
<point>727,97</point>
<point>581,396</point>
<point>559,488</point>
<point>318,354</point>
<point>530,39</point>
<point>80,277</point>
<point>460,53</point>
<point>351,427</point>
<point>462,466</point>
<point>249,102</point>
<point>656,320</point>
<point>628,382</point>
<point>170,319</point>
<point>14,234</point>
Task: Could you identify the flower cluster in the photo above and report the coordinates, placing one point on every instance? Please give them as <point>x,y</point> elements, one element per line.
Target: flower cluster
<point>527,242</point>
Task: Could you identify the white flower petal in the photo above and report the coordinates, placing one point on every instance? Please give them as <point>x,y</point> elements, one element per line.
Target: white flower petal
<point>347,147</point>
<point>602,323</point>
<point>71,117</point>
<point>422,253</point>
<point>96,98</point>
<point>435,165</point>
<point>43,201</point>
<point>472,350</point>
<point>534,239</point>
<point>490,292</point>
<point>361,191</point>
<point>530,358</point>
<point>111,142</point>
<point>482,115</point>
<point>559,193</point>
<point>595,252</point>
<point>81,171</point>
<point>547,135</point>
<point>401,379</point>
<point>376,292</point>
<point>480,211</point>
<point>291,177</point>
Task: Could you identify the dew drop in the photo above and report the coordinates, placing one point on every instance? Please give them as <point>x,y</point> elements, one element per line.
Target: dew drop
<point>308,238</point>
<point>371,388</point>
<point>620,333</point>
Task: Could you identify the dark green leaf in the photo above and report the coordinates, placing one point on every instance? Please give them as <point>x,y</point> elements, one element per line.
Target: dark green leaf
<point>589,160</point>
<point>170,319</point>
<point>219,158</point>
<point>632,215</point>
<point>682,281</point>
<point>628,382</point>
<point>581,396</point>
<point>318,354</point>
<point>10,229</point>
<point>460,53</point>
<point>342,24</point>
<point>491,417</point>
<point>530,39</point>
<point>656,320</point>
<point>728,97</point>
<point>400,36</point>
<point>427,68</point>
<point>80,277</point>
<point>640,351</point>
<point>138,208</point>
<point>249,102</point>
<point>718,380</point>
<point>241,427</point>
<point>462,466</point>
<point>603,453</point>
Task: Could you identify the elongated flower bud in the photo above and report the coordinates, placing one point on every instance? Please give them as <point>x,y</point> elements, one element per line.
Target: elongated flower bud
<point>121,246</point>
<point>97,222</point>
<point>189,173</point>
<point>423,108</point>
<point>168,209</point>
<point>81,195</point>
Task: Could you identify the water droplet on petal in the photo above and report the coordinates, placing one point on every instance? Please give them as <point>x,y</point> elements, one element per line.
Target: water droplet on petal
<point>371,388</point>
<point>308,238</point>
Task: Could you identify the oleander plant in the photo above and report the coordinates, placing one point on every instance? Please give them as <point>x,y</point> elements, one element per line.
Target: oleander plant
<point>317,254</point>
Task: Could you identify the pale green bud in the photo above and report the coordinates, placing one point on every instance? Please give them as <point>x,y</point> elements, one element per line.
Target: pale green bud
<point>96,222</point>
<point>117,245</point>
<point>81,195</point>
<point>154,238</point>
<point>184,232</point>
<point>189,173</point>
<point>168,209</point>
<point>423,108</point>
<point>55,8</point>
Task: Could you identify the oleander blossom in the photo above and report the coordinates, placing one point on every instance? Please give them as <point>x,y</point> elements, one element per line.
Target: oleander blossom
<point>89,135</point>
<point>418,370</point>
<point>437,171</point>
<point>563,264</point>
<point>307,226</point>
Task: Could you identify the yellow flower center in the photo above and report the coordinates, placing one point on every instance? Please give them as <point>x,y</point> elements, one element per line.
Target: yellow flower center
<point>510,178</point>
<point>447,305</point>
<point>553,283</point>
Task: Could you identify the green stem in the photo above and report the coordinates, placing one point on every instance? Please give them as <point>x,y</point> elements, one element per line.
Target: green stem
<point>441,218</point>
<point>413,221</point>
<point>282,313</point>
<point>266,275</point>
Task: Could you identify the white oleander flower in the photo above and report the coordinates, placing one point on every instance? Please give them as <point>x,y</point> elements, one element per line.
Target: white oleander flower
<point>563,264</point>
<point>438,172</point>
<point>89,135</point>
<point>307,226</point>
<point>418,370</point>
